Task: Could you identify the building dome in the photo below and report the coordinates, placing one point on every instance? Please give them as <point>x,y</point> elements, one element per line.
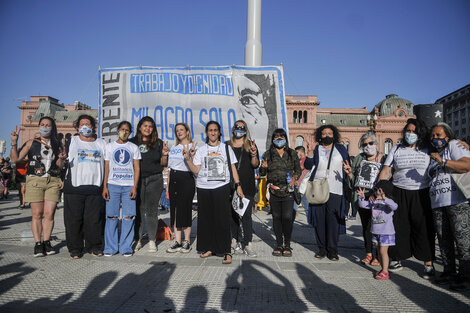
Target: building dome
<point>391,103</point>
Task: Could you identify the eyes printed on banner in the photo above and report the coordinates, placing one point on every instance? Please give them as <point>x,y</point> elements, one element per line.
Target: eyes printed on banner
<point>122,156</point>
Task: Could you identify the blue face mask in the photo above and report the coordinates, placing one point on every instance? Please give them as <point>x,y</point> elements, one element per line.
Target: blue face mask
<point>239,133</point>
<point>439,143</point>
<point>85,131</point>
<point>410,138</point>
<point>279,143</point>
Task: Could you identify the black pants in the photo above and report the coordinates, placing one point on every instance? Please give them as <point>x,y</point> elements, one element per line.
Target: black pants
<point>213,220</point>
<point>327,229</point>
<point>414,226</point>
<point>366,221</point>
<point>181,190</point>
<point>84,222</point>
<point>246,224</point>
<point>281,209</point>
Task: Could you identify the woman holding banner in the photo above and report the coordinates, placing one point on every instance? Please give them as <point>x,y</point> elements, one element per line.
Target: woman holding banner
<point>213,192</point>
<point>154,154</point>
<point>247,155</point>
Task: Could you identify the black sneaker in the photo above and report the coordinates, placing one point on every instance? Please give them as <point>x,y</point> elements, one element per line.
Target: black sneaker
<point>185,247</point>
<point>321,254</point>
<point>176,247</point>
<point>39,250</point>
<point>395,266</point>
<point>48,248</point>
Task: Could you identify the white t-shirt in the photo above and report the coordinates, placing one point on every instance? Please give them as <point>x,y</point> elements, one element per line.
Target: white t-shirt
<point>214,171</point>
<point>443,190</point>
<point>86,162</point>
<point>121,165</point>
<point>410,165</point>
<point>335,176</point>
<point>176,161</point>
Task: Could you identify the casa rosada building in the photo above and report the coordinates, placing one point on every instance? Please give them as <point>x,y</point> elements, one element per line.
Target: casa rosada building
<point>304,115</point>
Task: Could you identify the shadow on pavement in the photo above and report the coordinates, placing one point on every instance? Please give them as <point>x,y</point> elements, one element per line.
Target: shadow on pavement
<point>14,273</point>
<point>319,293</point>
<point>255,287</point>
<point>429,299</point>
<point>143,292</point>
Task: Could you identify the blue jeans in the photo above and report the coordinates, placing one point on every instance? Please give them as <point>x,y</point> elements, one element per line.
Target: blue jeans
<point>112,243</point>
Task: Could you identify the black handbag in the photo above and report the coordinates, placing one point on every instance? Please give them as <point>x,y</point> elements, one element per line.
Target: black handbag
<point>232,181</point>
<point>296,195</point>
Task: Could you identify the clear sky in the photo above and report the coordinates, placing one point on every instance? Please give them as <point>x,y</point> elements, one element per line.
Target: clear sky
<point>348,53</point>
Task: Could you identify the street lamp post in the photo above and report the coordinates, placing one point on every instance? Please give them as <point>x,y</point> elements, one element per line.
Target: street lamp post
<point>372,122</point>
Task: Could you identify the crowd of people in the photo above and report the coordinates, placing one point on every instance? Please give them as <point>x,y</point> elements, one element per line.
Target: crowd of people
<point>404,199</point>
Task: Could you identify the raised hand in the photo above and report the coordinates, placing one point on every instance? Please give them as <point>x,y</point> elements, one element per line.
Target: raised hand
<point>192,151</point>
<point>186,153</point>
<point>347,167</point>
<point>165,149</point>
<point>253,148</point>
<point>264,163</point>
<point>311,144</point>
<point>15,134</point>
<point>361,192</point>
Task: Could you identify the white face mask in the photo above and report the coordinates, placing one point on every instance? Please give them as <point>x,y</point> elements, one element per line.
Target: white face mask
<point>370,150</point>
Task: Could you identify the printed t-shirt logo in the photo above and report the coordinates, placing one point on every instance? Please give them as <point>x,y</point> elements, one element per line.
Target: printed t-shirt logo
<point>122,156</point>
<point>143,148</point>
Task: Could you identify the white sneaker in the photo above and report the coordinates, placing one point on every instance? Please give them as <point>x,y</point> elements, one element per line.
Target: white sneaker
<point>249,251</point>
<point>152,247</point>
<point>138,246</point>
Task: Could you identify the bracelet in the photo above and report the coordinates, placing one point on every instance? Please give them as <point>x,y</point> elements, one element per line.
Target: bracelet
<point>14,145</point>
<point>443,163</point>
<point>253,155</point>
<point>237,185</point>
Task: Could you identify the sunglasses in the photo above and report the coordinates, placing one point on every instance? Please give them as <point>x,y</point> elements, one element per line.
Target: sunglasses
<point>240,127</point>
<point>370,143</point>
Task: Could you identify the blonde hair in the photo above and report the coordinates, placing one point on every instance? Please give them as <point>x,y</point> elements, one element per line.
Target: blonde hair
<point>246,139</point>
<point>186,126</point>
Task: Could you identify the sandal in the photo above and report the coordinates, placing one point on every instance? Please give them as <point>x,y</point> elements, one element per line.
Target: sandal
<point>287,252</point>
<point>382,275</point>
<point>367,259</point>
<point>375,262</point>
<point>206,254</point>
<point>278,251</point>
<point>227,258</point>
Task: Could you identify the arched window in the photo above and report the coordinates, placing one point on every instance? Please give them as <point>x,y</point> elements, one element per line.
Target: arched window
<point>294,117</point>
<point>299,141</point>
<point>305,116</point>
<point>388,145</point>
<point>299,115</point>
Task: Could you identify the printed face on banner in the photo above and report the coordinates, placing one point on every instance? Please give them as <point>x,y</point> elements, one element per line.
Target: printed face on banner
<point>194,96</point>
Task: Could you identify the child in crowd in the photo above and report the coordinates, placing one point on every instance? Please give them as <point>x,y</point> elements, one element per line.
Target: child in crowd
<point>383,232</point>
<point>121,175</point>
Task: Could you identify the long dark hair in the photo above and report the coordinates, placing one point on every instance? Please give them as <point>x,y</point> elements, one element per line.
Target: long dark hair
<point>420,129</point>
<point>320,129</point>
<point>207,127</point>
<point>153,137</point>
<point>280,132</point>
<point>55,144</point>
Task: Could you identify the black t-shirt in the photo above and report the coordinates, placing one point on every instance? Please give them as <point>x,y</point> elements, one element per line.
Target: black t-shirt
<point>150,163</point>
<point>246,172</point>
<point>6,175</point>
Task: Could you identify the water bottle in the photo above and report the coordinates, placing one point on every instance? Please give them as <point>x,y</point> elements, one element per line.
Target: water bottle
<point>289,179</point>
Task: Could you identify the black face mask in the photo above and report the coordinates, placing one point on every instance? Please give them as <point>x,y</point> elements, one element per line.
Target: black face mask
<point>327,140</point>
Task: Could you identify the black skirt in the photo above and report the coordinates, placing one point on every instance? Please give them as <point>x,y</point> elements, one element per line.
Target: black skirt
<point>182,188</point>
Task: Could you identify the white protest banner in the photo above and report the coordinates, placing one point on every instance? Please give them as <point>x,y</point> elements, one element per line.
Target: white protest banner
<point>195,96</point>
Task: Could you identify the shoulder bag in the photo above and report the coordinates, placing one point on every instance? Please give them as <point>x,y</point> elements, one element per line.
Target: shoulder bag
<point>462,180</point>
<point>318,192</point>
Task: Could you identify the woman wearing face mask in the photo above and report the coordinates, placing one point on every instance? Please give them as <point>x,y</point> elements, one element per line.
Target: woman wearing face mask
<point>413,220</point>
<point>46,159</point>
<point>83,203</point>
<point>328,218</point>
<point>370,153</point>
<point>281,166</point>
<point>213,191</point>
<point>247,155</point>
<point>121,175</point>
<point>450,208</point>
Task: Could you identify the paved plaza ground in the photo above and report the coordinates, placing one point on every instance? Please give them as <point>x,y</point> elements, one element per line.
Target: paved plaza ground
<point>165,282</point>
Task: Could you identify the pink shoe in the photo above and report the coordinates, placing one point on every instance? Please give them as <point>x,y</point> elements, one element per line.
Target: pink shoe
<point>382,275</point>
